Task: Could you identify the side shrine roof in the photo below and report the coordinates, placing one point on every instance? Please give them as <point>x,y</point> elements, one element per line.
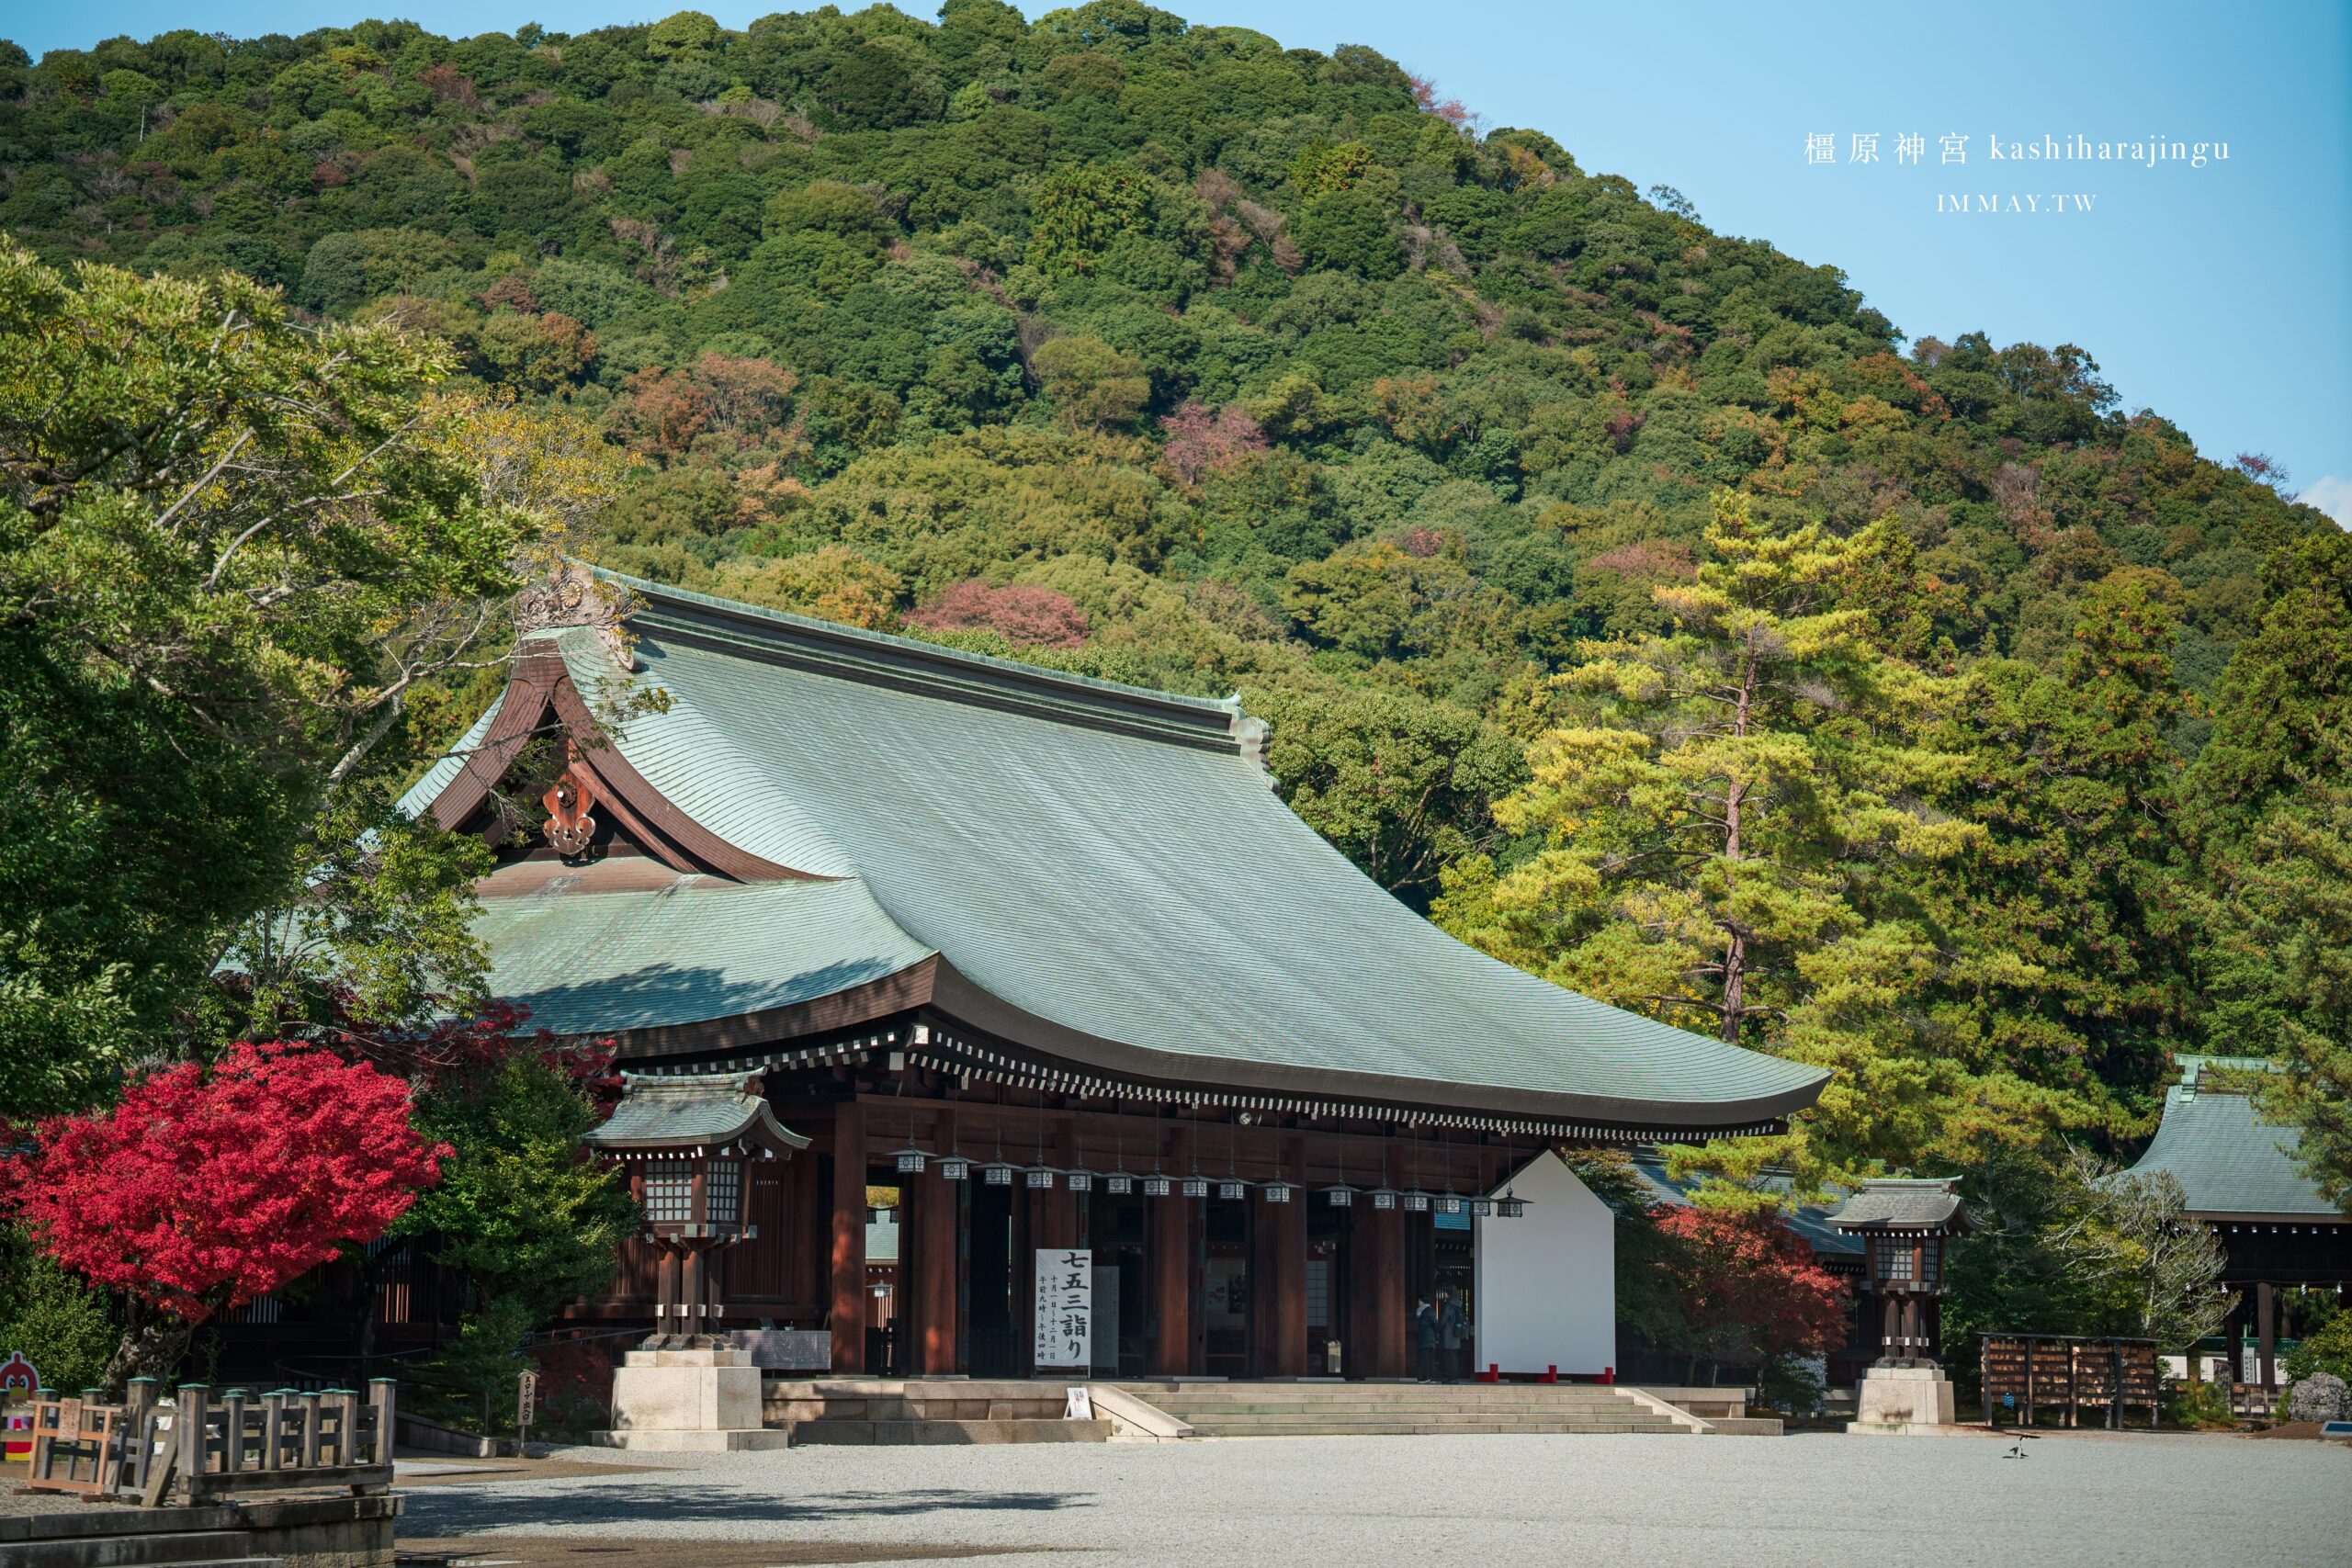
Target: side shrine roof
<point>1809,1221</point>
<point>2229,1162</point>
<point>1902,1203</point>
<point>659,1115</point>
<point>1093,872</point>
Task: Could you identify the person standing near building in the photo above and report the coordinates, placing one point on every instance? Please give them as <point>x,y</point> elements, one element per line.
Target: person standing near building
<point>1425,1339</point>
<point>1453,1330</point>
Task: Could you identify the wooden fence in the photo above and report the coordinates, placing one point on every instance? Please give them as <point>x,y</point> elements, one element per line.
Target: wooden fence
<point>201,1446</point>
<point>2025,1372</point>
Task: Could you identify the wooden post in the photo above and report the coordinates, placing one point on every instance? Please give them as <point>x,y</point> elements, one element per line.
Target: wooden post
<point>1391,1357</point>
<point>691,1288</point>
<point>310,1428</point>
<point>2265,1326</point>
<point>346,1407</point>
<point>848,1237</point>
<point>190,1422</point>
<point>273,1430</point>
<point>927,1319</point>
<point>1171,1271</point>
<point>382,1393</point>
<point>665,1284</point>
<point>138,1432</point>
<point>1289,1284</point>
<point>233,1432</point>
<point>1359,1352</point>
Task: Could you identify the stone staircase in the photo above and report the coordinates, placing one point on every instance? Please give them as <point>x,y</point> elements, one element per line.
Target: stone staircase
<point>1335,1409</point>
<point>922,1410</point>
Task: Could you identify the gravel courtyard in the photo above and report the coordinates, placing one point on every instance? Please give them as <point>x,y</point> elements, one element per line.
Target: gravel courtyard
<point>1626,1502</point>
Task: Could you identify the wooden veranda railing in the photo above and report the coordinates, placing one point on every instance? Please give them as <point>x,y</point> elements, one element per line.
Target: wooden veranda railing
<point>2024,1372</point>
<point>199,1446</point>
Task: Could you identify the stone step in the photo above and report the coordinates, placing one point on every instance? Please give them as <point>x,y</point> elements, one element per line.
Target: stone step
<point>1410,1428</point>
<point>176,1548</point>
<point>833,1431</point>
<point>1277,1401</point>
<point>1298,1412</point>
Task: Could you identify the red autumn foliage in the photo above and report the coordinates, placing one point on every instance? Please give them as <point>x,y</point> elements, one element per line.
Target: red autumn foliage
<point>1036,617</point>
<point>1746,1288</point>
<point>512,292</point>
<point>204,1189</point>
<point>1201,443</point>
<point>747,395</point>
<point>661,413</point>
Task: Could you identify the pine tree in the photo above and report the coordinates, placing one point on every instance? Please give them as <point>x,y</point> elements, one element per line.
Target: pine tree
<point>1717,816</point>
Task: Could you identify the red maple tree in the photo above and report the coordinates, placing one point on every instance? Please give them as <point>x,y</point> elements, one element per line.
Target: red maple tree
<point>1021,612</point>
<point>1746,1288</point>
<point>207,1188</point>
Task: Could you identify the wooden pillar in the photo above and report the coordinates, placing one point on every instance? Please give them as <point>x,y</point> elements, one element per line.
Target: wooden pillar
<point>1053,1215</point>
<point>848,1237</point>
<point>1052,1226</point>
<point>1265,1230</point>
<point>1361,1325</point>
<point>667,1318</point>
<point>927,1324</point>
<point>1288,1293</point>
<point>1171,1271</point>
<point>2266,1327</point>
<point>1390,1355</point>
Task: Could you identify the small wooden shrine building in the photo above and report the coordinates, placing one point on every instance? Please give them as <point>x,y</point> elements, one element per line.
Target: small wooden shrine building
<point>2239,1175</point>
<point>1044,961</point>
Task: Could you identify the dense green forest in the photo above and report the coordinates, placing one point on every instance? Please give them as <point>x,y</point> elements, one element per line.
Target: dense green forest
<point>1539,518</point>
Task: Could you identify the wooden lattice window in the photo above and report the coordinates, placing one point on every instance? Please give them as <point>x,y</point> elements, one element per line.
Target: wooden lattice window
<point>670,1192</point>
<point>724,1186</point>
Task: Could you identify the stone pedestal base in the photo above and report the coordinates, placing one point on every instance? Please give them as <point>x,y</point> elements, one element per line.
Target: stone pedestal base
<point>689,1402</point>
<point>1904,1402</point>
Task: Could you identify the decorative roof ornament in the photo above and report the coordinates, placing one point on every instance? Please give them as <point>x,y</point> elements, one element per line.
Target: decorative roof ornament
<point>571,801</point>
<point>574,594</point>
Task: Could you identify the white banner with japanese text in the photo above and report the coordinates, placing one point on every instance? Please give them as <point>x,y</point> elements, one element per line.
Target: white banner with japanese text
<point>1065,1307</point>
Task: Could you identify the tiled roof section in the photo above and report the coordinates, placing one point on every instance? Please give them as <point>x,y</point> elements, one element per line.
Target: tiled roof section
<point>628,944</point>
<point>1902,1203</point>
<point>2229,1162</point>
<point>445,768</point>
<point>1110,861</point>
<point>706,1111</point>
<point>704,773</point>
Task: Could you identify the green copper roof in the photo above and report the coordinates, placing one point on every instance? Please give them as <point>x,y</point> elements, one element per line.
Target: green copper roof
<point>627,944</point>
<point>2227,1159</point>
<point>1105,864</point>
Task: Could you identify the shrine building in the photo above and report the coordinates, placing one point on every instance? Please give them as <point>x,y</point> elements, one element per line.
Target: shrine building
<point>2238,1178</point>
<point>1036,962</point>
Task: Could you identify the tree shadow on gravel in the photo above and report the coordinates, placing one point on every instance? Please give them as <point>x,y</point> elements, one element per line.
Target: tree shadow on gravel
<point>443,1511</point>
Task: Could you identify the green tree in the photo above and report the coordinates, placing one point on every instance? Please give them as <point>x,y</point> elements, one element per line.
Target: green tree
<point>1711,826</point>
<point>2271,818</point>
<point>1093,385</point>
<point>61,1325</point>
<point>1401,785</point>
<point>230,549</point>
<point>1080,212</point>
<point>520,1211</point>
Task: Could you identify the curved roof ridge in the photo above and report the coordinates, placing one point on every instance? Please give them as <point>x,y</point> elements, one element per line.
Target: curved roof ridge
<point>682,616</point>
<point>699,769</point>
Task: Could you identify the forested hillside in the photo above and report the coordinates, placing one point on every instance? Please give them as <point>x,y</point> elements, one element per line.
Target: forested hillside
<point>1176,356</point>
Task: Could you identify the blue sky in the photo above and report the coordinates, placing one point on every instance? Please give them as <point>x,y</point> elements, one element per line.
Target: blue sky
<point>2220,296</point>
